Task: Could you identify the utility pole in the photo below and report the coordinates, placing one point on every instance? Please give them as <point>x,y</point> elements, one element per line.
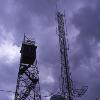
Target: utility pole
<point>27,87</point>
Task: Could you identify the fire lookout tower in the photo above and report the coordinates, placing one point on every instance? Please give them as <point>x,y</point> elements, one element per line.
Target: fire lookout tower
<point>28,87</point>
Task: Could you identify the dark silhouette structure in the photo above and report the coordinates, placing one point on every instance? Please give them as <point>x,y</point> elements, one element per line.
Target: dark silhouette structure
<point>67,92</point>
<point>28,87</point>
<point>66,82</point>
<point>57,97</point>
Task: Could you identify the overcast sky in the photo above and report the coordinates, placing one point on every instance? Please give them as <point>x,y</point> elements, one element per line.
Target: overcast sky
<point>36,18</point>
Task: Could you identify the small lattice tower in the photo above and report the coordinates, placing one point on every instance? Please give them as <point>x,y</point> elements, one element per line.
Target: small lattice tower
<point>28,87</point>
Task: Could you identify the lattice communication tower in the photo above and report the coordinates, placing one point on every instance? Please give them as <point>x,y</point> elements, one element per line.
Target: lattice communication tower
<point>67,92</point>
<point>66,82</point>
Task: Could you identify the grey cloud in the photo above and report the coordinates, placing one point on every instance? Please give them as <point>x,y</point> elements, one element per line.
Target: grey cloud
<point>37,19</point>
<point>8,78</point>
<point>87,21</point>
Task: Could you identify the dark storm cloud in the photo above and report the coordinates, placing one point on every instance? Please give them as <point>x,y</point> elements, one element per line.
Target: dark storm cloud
<point>36,18</point>
<point>8,75</point>
<point>21,17</point>
<point>43,7</point>
<point>87,21</point>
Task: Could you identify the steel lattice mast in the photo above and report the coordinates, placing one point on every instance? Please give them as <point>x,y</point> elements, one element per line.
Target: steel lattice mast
<point>28,87</point>
<point>66,82</point>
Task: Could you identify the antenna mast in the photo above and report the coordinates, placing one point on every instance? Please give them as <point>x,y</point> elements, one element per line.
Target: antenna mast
<point>66,88</point>
<point>66,82</point>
